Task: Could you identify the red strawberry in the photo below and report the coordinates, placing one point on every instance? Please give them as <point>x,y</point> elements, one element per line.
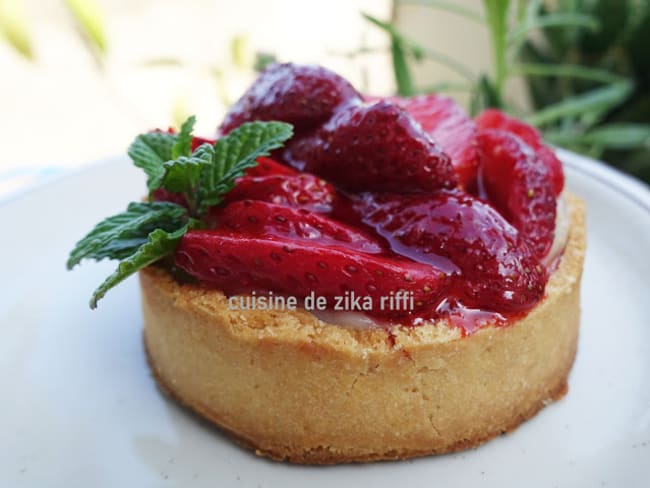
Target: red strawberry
<point>495,119</point>
<point>265,167</point>
<point>162,195</point>
<point>520,185</point>
<point>305,96</point>
<point>262,219</point>
<point>268,166</point>
<point>198,141</point>
<point>301,190</point>
<point>450,126</point>
<point>493,268</point>
<point>239,263</point>
<point>374,147</point>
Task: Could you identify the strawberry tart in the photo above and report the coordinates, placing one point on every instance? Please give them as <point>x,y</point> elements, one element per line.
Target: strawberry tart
<point>393,279</point>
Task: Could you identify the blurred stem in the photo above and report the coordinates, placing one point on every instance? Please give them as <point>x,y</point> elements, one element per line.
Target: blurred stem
<point>13,27</point>
<point>497,16</point>
<point>568,70</point>
<point>599,99</point>
<point>402,45</point>
<point>90,23</point>
<point>520,33</point>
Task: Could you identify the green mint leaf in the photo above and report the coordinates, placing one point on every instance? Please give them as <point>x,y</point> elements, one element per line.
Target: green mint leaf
<point>182,174</point>
<point>150,151</point>
<point>159,244</point>
<point>183,146</point>
<point>235,153</point>
<point>121,235</point>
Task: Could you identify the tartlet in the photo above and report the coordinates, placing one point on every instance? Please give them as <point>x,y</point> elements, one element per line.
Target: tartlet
<point>442,253</point>
<point>295,388</point>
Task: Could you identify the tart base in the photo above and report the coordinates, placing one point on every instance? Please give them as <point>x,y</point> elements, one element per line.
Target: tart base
<point>294,388</point>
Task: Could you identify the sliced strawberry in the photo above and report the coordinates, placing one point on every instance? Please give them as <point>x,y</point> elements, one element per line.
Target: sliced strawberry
<point>262,219</point>
<point>373,147</point>
<point>450,126</point>
<point>265,167</point>
<point>300,190</point>
<point>495,119</point>
<point>268,167</point>
<point>162,195</point>
<point>492,268</point>
<point>198,141</point>
<point>305,96</point>
<point>520,185</point>
<point>238,263</point>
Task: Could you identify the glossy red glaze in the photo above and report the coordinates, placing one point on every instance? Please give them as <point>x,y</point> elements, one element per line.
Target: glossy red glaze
<point>401,195</point>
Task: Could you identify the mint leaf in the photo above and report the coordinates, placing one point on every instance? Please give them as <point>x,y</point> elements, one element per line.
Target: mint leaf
<point>235,153</point>
<point>182,174</point>
<point>183,146</point>
<point>150,151</point>
<point>159,244</point>
<point>121,235</point>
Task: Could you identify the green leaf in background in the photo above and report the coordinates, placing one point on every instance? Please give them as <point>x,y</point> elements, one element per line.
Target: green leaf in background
<point>150,151</point>
<point>13,27</point>
<point>159,244</point>
<point>89,21</point>
<point>120,235</point>
<point>403,78</point>
<point>401,47</point>
<point>235,153</point>
<point>611,136</point>
<point>565,70</point>
<point>183,173</point>
<point>485,96</point>
<point>263,59</point>
<point>559,19</point>
<point>599,99</point>
<point>183,145</point>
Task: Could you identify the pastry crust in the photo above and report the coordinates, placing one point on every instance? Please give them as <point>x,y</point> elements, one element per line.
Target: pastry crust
<point>294,388</point>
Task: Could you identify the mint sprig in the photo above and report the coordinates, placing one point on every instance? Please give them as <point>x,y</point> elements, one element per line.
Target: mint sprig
<point>121,235</point>
<point>182,175</point>
<point>235,153</point>
<point>183,145</point>
<point>149,231</point>
<point>150,151</point>
<point>158,245</point>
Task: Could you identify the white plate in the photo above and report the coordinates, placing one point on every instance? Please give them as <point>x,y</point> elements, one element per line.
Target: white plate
<point>78,406</point>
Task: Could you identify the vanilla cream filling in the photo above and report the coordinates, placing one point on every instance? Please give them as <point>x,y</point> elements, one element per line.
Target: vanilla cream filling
<point>561,236</point>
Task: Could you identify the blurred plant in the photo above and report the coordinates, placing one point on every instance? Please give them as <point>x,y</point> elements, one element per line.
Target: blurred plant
<point>89,22</point>
<point>13,27</point>
<point>242,62</point>
<point>620,131</point>
<point>583,61</point>
<point>85,14</point>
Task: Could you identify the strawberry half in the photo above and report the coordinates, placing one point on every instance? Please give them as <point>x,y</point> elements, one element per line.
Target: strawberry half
<point>264,219</point>
<point>495,119</point>
<point>302,95</point>
<point>241,263</point>
<point>299,190</point>
<point>450,126</point>
<point>268,167</point>
<point>520,185</point>
<point>199,141</point>
<point>265,167</point>
<point>491,267</point>
<point>373,147</point>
